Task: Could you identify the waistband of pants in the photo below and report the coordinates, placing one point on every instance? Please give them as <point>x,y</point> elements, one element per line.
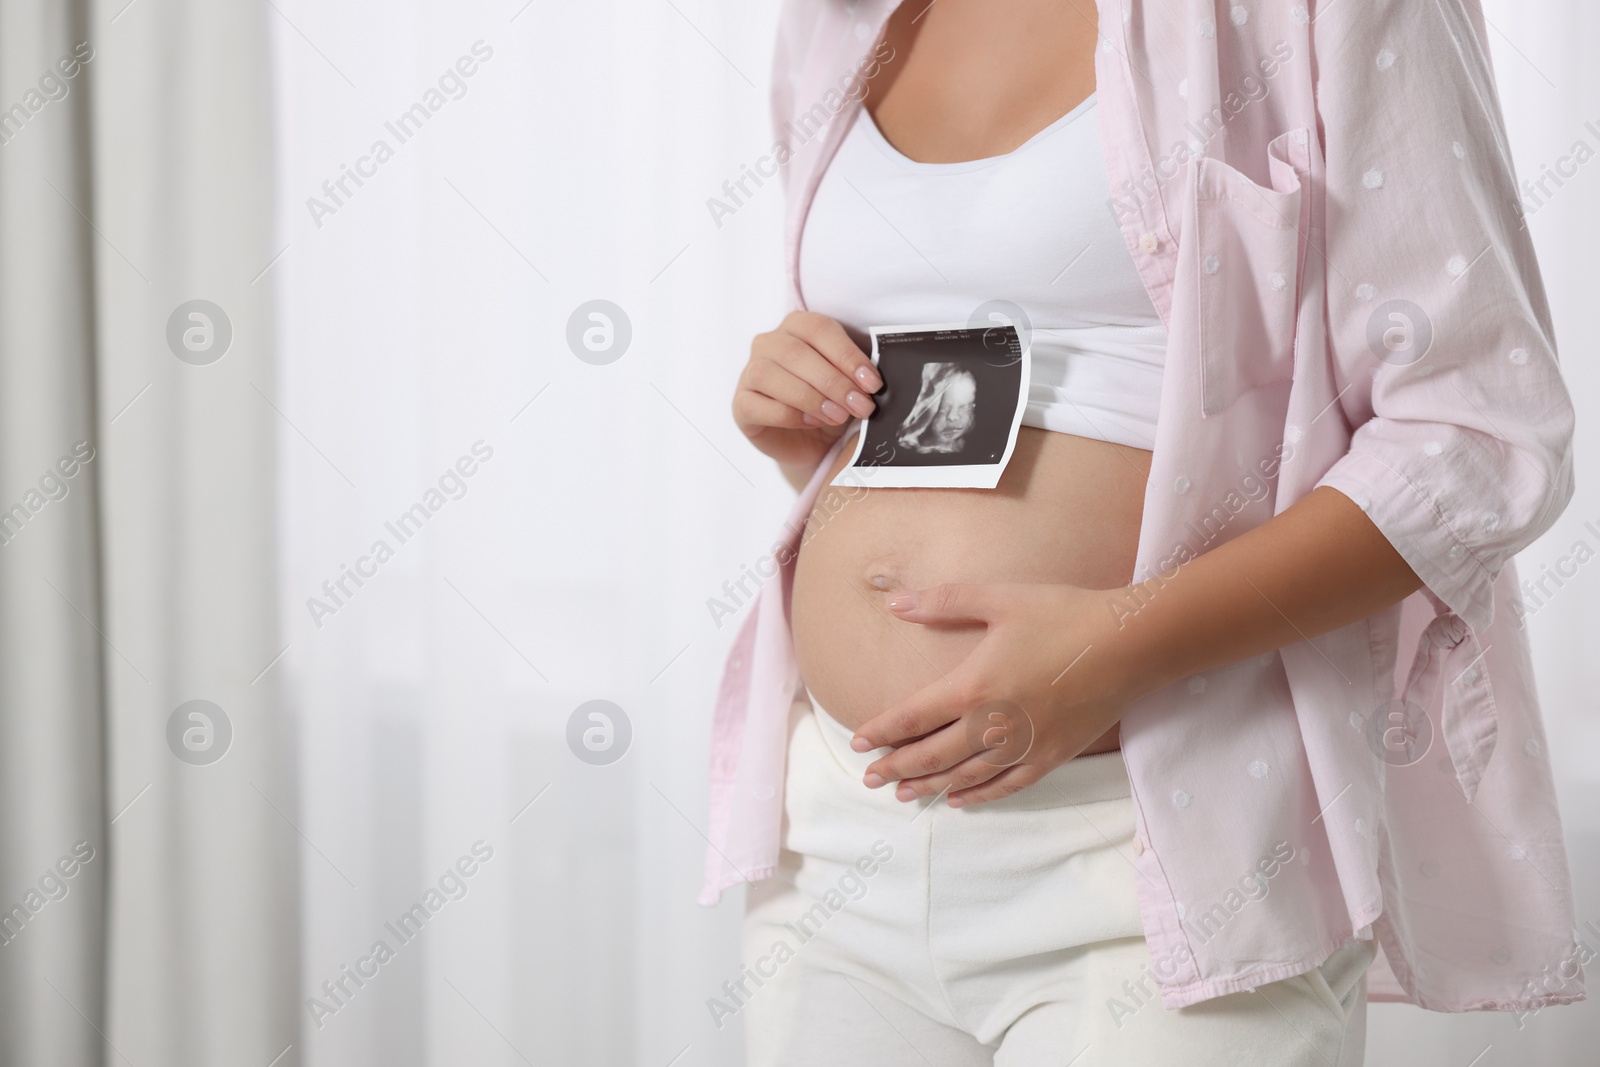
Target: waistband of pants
<point>1082,780</point>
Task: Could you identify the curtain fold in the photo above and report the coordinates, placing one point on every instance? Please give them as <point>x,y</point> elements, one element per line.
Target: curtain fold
<point>53,850</point>
<point>139,710</point>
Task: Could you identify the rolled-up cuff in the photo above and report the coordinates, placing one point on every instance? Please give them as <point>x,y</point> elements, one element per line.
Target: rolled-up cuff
<point>1413,525</point>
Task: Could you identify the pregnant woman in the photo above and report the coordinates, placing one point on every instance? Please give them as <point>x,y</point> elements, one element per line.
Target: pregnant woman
<point>1144,756</point>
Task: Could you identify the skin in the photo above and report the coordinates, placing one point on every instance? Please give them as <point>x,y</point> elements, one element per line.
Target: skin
<point>1066,512</point>
<point>915,610</point>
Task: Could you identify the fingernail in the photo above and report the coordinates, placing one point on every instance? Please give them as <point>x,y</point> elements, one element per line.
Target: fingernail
<point>873,780</point>
<point>905,792</point>
<point>806,417</point>
<point>869,379</point>
<point>955,802</point>
<point>903,602</point>
<point>833,412</point>
<point>860,744</point>
<point>858,404</point>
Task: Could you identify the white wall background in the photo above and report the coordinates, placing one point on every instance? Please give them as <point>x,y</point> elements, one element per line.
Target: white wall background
<point>424,315</point>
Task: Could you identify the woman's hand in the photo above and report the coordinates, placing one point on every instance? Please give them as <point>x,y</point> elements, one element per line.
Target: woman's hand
<point>1060,664</point>
<point>804,384</point>
<point>1054,672</point>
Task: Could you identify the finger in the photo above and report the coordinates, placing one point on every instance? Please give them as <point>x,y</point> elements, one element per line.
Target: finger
<point>753,410</point>
<point>829,338</point>
<point>923,712</point>
<point>948,603</point>
<point>939,751</point>
<point>969,773</point>
<point>1008,781</point>
<point>803,360</point>
<point>774,380</point>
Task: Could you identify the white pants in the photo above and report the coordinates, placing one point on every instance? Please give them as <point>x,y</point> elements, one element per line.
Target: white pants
<point>1002,934</point>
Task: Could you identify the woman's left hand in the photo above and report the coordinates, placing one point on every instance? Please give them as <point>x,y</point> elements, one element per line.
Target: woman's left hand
<point>1053,672</point>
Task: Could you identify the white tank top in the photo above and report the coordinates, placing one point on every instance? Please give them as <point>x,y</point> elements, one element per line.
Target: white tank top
<point>891,241</point>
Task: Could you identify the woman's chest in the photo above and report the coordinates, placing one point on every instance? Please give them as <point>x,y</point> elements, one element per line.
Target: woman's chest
<point>888,240</point>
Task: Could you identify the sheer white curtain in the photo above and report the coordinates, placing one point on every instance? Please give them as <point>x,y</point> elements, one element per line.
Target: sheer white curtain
<point>426,309</point>
<point>147,886</point>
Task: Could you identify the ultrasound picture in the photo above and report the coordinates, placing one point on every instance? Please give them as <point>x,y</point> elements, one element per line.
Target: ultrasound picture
<point>949,410</point>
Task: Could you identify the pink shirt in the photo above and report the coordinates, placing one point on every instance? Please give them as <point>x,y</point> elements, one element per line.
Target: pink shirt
<point>1283,172</point>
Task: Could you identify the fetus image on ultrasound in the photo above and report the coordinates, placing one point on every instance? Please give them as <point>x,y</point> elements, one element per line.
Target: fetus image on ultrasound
<point>949,410</point>
<point>944,413</point>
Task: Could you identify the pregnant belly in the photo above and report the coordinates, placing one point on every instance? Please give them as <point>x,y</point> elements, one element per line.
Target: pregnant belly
<point>1067,510</point>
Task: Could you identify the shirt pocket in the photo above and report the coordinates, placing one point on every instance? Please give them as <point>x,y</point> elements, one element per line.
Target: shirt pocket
<point>1248,251</point>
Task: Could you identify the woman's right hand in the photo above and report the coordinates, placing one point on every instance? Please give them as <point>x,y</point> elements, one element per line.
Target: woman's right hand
<point>804,384</point>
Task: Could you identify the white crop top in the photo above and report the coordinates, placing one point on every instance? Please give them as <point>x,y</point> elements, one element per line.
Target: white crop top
<point>891,241</point>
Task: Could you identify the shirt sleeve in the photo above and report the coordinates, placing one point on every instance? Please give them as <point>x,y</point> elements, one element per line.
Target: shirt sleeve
<point>1438,327</point>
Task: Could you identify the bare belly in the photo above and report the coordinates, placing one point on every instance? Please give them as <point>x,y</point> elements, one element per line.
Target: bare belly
<point>1067,510</point>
